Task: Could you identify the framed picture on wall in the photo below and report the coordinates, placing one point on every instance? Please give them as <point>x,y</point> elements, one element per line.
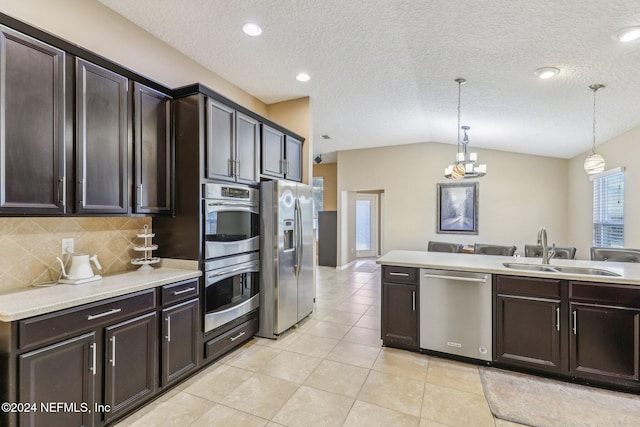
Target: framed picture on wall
<point>458,208</point>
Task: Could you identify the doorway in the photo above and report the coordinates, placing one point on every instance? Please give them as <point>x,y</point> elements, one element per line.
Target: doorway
<point>367,225</point>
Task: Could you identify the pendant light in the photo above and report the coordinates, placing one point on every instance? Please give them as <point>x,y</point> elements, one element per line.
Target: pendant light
<point>594,163</point>
<point>464,168</point>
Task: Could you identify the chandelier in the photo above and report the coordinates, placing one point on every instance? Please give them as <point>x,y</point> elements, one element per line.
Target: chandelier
<point>464,167</point>
<point>594,163</point>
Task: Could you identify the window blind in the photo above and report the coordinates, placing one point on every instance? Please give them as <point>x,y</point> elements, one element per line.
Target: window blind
<point>608,210</point>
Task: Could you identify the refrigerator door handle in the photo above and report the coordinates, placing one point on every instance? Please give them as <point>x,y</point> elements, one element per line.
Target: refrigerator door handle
<point>298,237</point>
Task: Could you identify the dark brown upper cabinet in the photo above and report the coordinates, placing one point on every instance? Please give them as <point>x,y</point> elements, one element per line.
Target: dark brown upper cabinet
<point>153,150</point>
<point>232,144</point>
<point>281,155</point>
<point>102,150</point>
<point>32,125</point>
<point>272,152</point>
<point>247,149</point>
<point>293,158</point>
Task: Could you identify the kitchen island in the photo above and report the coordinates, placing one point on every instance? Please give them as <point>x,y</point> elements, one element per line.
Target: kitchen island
<point>628,273</point>
<point>571,319</point>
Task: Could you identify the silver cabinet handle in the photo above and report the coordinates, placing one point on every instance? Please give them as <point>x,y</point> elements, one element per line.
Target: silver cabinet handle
<point>229,167</point>
<point>168,337</point>
<point>113,351</point>
<point>62,195</point>
<point>106,313</point>
<point>139,196</point>
<point>399,274</point>
<point>93,364</point>
<point>413,294</point>
<point>184,291</point>
<point>575,322</point>
<point>238,336</point>
<point>557,318</point>
<point>237,171</point>
<point>83,195</point>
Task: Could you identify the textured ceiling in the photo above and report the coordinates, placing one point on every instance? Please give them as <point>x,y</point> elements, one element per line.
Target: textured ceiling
<point>382,71</point>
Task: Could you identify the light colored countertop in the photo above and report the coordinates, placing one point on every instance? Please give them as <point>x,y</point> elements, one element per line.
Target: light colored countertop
<point>629,272</point>
<point>27,302</point>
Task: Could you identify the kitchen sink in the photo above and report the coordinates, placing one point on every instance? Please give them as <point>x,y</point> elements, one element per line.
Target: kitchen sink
<point>560,269</point>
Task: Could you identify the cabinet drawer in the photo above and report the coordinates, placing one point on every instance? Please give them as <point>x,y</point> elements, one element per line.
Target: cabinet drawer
<point>604,294</point>
<point>230,339</point>
<point>181,291</point>
<point>392,273</point>
<point>55,326</point>
<point>529,286</point>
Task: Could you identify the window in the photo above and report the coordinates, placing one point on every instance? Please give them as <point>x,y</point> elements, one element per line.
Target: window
<point>608,209</point>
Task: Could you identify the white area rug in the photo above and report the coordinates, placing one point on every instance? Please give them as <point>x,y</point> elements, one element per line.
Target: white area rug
<point>535,401</point>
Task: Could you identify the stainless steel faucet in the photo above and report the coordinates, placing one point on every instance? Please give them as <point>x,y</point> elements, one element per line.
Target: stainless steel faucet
<point>542,241</point>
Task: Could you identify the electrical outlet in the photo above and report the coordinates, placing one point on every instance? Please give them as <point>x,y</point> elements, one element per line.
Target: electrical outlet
<point>67,246</point>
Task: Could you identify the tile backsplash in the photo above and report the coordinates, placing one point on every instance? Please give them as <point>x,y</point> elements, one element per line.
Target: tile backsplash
<point>29,246</point>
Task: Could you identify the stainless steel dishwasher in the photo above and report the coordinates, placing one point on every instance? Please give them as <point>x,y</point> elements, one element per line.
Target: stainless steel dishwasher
<point>455,313</point>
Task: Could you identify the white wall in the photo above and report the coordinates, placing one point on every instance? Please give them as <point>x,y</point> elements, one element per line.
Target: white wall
<point>346,230</point>
<point>519,194</point>
<point>623,150</point>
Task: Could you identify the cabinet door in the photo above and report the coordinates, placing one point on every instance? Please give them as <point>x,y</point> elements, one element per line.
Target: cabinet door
<point>32,98</point>
<point>103,148</point>
<point>247,149</point>
<point>272,152</point>
<point>153,149</point>
<point>63,372</point>
<point>220,138</point>
<point>605,342</point>
<point>528,332</point>
<point>293,154</point>
<point>180,334</point>
<point>400,315</point>
<point>130,363</point>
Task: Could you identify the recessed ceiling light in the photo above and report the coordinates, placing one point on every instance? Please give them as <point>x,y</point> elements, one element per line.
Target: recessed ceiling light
<point>546,72</point>
<point>628,34</point>
<point>303,77</point>
<point>252,29</point>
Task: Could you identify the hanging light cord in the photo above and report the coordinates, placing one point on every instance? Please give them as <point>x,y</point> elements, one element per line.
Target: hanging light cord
<point>460,82</point>
<point>594,88</point>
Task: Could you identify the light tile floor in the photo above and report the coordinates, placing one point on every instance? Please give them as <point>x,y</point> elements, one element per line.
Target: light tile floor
<point>329,371</point>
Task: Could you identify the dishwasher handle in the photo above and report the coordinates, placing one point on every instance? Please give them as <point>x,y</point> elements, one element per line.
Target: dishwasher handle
<point>459,278</point>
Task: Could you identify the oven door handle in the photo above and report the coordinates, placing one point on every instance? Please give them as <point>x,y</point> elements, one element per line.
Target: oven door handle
<point>241,204</point>
<point>226,206</point>
<point>252,267</point>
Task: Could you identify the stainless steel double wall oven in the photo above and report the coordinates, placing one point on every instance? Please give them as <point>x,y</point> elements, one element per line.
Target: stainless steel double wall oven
<point>231,221</point>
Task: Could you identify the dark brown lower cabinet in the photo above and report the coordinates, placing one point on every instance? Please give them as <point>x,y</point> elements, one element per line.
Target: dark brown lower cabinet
<point>605,342</point>
<point>528,332</point>
<point>130,366</point>
<point>530,326</point>
<point>587,331</point>
<point>59,374</point>
<point>400,315</point>
<point>179,340</point>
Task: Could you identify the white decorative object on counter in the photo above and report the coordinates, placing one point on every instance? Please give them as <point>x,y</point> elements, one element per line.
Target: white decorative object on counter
<point>148,247</point>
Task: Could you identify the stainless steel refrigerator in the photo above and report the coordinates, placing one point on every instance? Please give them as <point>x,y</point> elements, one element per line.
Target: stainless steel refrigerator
<point>286,255</point>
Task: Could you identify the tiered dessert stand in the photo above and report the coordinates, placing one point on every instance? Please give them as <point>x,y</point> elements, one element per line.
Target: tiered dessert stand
<point>148,247</point>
